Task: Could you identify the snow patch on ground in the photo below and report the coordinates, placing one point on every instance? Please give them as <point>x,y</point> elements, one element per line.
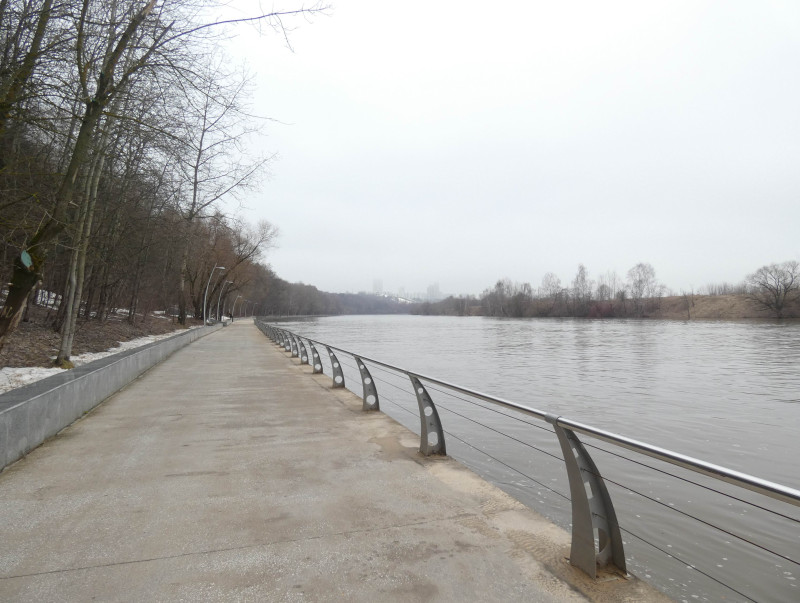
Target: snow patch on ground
<point>11,378</point>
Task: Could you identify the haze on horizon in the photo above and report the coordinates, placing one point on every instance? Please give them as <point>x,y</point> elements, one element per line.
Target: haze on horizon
<point>454,144</point>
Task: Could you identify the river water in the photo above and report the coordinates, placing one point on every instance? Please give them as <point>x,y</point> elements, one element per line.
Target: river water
<point>724,392</point>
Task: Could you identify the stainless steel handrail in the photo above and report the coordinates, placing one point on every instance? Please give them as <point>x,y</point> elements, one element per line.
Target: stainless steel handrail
<point>593,515</point>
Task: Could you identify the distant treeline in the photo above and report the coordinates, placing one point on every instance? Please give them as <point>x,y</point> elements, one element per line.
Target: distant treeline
<point>772,289</point>
<point>278,297</point>
<point>608,296</point>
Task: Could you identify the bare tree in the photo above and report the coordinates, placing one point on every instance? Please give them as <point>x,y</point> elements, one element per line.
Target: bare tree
<point>230,243</point>
<point>607,285</point>
<point>774,286</point>
<point>582,291</point>
<point>642,284</point>
<point>551,290</point>
<point>211,164</point>
<point>688,302</point>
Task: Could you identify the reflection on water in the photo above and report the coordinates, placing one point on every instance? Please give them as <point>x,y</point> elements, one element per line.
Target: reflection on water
<point>724,392</point>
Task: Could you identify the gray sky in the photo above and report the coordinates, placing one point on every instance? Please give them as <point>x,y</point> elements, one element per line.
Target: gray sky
<point>464,142</point>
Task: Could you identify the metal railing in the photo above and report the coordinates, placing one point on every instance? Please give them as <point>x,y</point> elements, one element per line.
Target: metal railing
<point>596,538</point>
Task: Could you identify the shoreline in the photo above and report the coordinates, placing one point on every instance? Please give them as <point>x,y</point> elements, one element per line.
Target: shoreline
<point>729,307</point>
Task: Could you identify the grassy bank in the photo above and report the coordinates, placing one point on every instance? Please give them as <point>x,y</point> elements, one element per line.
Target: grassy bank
<point>715,307</point>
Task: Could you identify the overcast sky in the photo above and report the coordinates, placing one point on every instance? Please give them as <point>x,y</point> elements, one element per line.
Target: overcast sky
<point>463,142</point>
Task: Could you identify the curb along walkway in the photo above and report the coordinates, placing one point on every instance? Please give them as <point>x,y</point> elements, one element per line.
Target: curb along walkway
<point>229,473</point>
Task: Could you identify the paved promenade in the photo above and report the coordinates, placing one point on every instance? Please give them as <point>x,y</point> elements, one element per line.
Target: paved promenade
<point>229,473</point>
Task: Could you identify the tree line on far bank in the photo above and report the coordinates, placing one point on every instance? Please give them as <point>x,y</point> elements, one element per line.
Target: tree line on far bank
<point>277,297</point>
<point>774,289</point>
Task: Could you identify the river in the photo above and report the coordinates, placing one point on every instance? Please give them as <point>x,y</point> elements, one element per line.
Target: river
<point>724,392</point>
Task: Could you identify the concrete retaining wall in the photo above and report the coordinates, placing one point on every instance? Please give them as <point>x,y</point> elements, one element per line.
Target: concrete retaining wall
<point>31,414</point>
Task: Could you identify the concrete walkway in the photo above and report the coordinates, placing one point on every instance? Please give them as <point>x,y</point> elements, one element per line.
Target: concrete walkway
<point>229,473</point>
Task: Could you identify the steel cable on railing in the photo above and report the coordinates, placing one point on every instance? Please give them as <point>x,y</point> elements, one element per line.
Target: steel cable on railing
<point>694,483</point>
<point>384,397</point>
<point>397,387</point>
<point>489,408</point>
<point>473,402</point>
<point>450,434</point>
<point>342,361</point>
<point>353,367</point>
<point>389,372</point>
<point>441,406</point>
<point>698,519</point>
<point>401,407</point>
<point>514,469</point>
<point>687,564</point>
<point>510,437</point>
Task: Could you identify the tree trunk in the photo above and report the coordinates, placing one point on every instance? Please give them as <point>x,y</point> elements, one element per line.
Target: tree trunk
<point>90,292</point>
<point>183,276</point>
<point>78,269</point>
<point>23,280</point>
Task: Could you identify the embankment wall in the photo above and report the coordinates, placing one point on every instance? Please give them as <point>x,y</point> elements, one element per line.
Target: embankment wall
<point>31,414</point>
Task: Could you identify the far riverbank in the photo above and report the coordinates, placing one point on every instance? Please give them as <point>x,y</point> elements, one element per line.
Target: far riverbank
<point>673,307</point>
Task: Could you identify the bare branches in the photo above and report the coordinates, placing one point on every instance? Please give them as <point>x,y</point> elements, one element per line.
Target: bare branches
<point>274,19</point>
<point>774,286</point>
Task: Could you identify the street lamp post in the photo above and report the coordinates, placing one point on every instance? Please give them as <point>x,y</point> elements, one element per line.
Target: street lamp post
<point>233,309</point>
<point>205,296</point>
<point>220,295</point>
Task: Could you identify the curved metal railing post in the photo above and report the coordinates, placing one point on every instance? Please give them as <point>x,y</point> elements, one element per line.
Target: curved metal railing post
<point>287,341</point>
<point>338,375</point>
<point>293,345</point>
<point>302,349</point>
<point>431,436</point>
<point>316,363</point>
<point>370,396</point>
<point>596,539</point>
